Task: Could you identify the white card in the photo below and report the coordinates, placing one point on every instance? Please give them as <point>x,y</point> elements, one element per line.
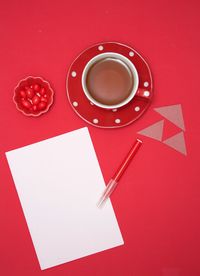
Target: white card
<point>59,183</point>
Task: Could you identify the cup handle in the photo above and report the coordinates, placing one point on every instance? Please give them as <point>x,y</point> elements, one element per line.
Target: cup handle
<point>142,93</point>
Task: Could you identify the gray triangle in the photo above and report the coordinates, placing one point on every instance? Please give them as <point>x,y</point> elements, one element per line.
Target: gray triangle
<point>177,142</point>
<point>173,113</point>
<point>154,131</point>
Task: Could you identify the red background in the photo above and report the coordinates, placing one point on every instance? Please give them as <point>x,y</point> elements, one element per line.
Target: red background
<point>158,201</point>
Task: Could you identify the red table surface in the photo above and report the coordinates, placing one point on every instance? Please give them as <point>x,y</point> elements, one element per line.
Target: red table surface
<point>157,203</point>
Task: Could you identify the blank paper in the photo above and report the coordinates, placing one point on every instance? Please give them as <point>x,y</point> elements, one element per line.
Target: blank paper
<point>59,183</point>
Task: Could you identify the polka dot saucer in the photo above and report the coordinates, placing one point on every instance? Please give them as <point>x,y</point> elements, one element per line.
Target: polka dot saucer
<point>109,118</point>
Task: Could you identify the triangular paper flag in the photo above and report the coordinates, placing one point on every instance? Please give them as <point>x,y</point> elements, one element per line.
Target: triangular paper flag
<point>173,113</point>
<point>154,131</point>
<point>177,142</point>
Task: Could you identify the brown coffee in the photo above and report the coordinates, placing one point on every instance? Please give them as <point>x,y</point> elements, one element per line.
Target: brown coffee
<point>109,81</point>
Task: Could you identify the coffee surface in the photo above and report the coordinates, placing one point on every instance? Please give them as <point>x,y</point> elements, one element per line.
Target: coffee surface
<point>109,81</point>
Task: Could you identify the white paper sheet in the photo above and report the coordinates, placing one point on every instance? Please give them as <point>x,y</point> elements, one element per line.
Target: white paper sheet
<point>59,182</point>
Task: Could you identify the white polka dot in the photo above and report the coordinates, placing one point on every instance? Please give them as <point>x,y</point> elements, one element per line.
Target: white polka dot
<point>146,93</point>
<point>137,108</point>
<point>91,103</point>
<point>73,74</point>
<point>117,121</point>
<point>75,104</point>
<point>100,48</point>
<point>114,110</point>
<point>131,53</point>
<point>146,84</point>
<point>95,121</point>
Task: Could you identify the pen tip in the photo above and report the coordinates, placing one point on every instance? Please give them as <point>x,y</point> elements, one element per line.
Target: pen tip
<point>139,140</point>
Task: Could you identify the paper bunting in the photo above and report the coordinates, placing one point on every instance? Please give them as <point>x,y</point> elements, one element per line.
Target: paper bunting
<point>154,131</point>
<point>173,113</point>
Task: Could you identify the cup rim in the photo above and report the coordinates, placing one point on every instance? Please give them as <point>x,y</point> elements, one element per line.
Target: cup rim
<point>124,60</point>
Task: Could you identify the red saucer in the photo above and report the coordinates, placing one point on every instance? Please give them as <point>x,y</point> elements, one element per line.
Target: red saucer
<point>98,116</point>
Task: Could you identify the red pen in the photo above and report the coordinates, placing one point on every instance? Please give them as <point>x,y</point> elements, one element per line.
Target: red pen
<point>116,177</point>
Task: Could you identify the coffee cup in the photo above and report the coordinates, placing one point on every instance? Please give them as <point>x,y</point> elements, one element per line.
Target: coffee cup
<point>110,80</point>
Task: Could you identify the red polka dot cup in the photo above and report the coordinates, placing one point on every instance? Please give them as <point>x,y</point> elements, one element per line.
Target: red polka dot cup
<point>110,80</point>
<point>33,96</point>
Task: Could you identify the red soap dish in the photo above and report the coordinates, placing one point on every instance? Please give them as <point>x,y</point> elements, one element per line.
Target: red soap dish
<point>33,96</point>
